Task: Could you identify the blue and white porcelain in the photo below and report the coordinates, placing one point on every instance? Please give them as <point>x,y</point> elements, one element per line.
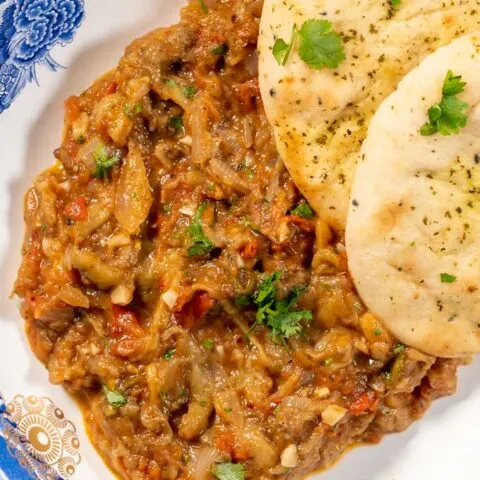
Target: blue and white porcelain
<point>29,29</point>
<point>50,49</point>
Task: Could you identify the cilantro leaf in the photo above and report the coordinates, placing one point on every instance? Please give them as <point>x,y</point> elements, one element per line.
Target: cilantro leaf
<point>229,471</point>
<point>168,355</point>
<point>303,209</point>
<point>447,278</point>
<point>395,3</point>
<point>189,91</point>
<point>114,398</point>
<point>267,291</point>
<point>277,314</point>
<point>201,243</point>
<point>132,110</point>
<point>170,82</point>
<point>103,163</point>
<point>176,122</point>
<point>320,45</point>
<point>453,84</point>
<point>220,49</point>
<point>243,300</point>
<point>448,116</point>
<point>208,343</point>
<point>203,6</point>
<point>281,49</point>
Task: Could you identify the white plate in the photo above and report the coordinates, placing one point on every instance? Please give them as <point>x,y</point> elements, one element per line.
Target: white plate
<point>443,445</point>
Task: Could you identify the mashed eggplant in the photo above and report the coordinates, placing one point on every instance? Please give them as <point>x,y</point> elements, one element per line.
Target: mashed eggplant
<point>175,278</point>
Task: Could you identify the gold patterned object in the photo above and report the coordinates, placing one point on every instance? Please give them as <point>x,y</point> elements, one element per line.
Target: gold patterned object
<point>50,437</point>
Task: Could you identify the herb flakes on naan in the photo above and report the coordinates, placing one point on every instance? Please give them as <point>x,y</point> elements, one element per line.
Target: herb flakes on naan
<point>413,229</point>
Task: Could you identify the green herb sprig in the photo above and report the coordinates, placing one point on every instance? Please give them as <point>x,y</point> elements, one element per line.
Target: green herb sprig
<point>448,116</point>
<point>320,46</point>
<point>303,209</point>
<point>277,314</point>
<point>281,49</point>
<point>447,278</point>
<point>103,163</point>
<point>229,471</point>
<point>132,110</point>
<point>202,245</point>
<point>203,6</point>
<point>114,398</point>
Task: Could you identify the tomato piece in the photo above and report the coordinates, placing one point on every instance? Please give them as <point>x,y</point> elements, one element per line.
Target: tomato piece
<point>228,442</point>
<point>77,209</point>
<point>225,442</point>
<point>72,109</point>
<point>302,223</point>
<point>111,88</point>
<point>249,250</point>
<point>202,303</point>
<point>124,323</point>
<point>362,403</point>
<point>125,347</point>
<point>247,94</point>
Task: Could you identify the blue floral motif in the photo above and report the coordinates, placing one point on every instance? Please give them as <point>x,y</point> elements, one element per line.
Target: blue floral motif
<point>28,31</point>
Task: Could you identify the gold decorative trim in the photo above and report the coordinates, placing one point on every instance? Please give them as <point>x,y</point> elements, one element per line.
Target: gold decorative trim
<point>46,435</point>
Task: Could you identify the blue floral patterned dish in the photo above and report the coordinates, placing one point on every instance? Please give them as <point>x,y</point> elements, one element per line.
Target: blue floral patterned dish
<point>28,31</point>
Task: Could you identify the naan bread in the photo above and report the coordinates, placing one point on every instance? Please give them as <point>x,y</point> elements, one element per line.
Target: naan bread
<point>414,218</point>
<point>320,118</point>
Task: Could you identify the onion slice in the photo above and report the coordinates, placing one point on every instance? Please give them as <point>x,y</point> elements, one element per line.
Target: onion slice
<point>134,196</point>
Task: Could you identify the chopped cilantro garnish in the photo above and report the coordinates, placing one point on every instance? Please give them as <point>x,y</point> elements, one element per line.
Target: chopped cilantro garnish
<point>220,49</point>
<point>395,3</point>
<point>453,84</point>
<point>103,163</point>
<point>132,110</point>
<point>229,471</point>
<point>398,349</point>
<point>166,209</point>
<point>303,209</point>
<point>176,122</point>
<point>203,5</point>
<point>248,223</point>
<point>448,116</point>
<point>377,332</point>
<point>168,355</point>
<point>243,300</point>
<point>320,45</point>
<point>189,91</point>
<point>447,278</point>
<point>277,314</point>
<point>201,244</point>
<point>114,398</point>
<point>281,49</point>
<point>208,343</point>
